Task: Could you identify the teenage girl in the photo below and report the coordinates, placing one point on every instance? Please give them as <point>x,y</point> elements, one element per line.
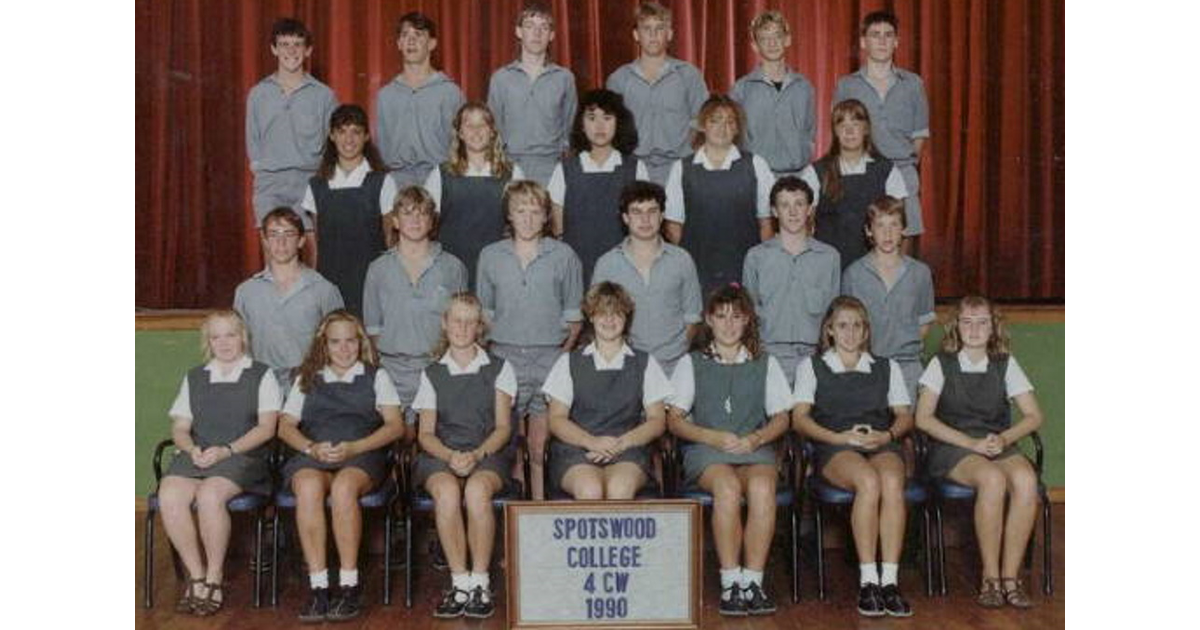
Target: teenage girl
<point>346,197</point>
<point>586,187</point>
<point>221,421</point>
<point>468,188</point>
<point>606,405</point>
<point>738,399</point>
<point>855,408</point>
<point>340,417</point>
<point>845,180</point>
<point>465,404</point>
<point>965,409</point>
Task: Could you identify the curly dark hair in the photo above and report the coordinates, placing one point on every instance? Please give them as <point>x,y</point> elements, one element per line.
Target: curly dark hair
<point>625,139</point>
<point>734,295</point>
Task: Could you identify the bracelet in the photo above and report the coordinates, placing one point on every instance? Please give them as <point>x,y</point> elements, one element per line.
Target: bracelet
<point>229,445</point>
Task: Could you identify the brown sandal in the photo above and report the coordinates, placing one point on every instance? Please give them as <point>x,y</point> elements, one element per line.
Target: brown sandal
<point>1016,595</point>
<point>188,601</point>
<point>990,594</point>
<point>209,605</point>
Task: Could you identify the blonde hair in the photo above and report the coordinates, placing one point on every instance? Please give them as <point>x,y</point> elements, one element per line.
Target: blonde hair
<point>410,196</point>
<point>466,299</point>
<point>206,330</point>
<point>769,18</point>
<point>497,159</point>
<point>844,303</point>
<point>998,342</point>
<point>317,356</point>
<point>525,190</point>
<point>651,10</point>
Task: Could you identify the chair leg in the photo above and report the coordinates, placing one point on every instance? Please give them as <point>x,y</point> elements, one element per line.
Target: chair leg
<point>387,556</point>
<point>820,521</point>
<point>408,558</point>
<point>276,534</point>
<point>928,550</point>
<point>148,552</point>
<point>941,548</point>
<point>258,556</point>
<point>1047,566</point>
<point>795,553</point>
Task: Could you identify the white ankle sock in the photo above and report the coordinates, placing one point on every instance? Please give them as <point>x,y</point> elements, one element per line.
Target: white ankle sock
<point>320,579</point>
<point>462,582</point>
<point>750,577</point>
<point>889,573</point>
<point>480,579</point>
<point>868,573</point>
<point>348,577</point>
<point>729,577</point>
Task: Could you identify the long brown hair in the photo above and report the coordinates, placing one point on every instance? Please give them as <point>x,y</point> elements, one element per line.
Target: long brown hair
<point>998,342</point>
<point>317,356</point>
<point>831,180</point>
<point>736,296</point>
<point>497,159</point>
<point>844,303</point>
<point>343,116</point>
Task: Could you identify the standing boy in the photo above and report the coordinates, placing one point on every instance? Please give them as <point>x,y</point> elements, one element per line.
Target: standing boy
<point>534,99</point>
<point>895,99</point>
<point>779,103</point>
<point>287,120</point>
<point>415,110</point>
<point>284,303</point>
<point>663,93</point>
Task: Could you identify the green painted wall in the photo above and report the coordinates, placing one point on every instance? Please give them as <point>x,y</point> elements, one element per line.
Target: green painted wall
<point>164,356</point>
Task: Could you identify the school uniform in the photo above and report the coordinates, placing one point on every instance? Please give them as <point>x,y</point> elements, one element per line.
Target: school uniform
<point>842,397</point>
<point>531,309</point>
<point>405,317</point>
<point>738,397</point>
<point>415,126</point>
<point>281,325</point>
<point>470,210</point>
<point>841,222</point>
<point>666,300</point>
<point>897,313</point>
<point>972,398</point>
<point>534,115</point>
<point>590,197</point>
<point>285,137</point>
<point>341,409</point>
<point>898,118</point>
<point>605,398</point>
<point>663,110</point>
<point>791,293</point>
<point>223,408</point>
<point>465,401</point>
<point>724,202</point>
<point>780,118</point>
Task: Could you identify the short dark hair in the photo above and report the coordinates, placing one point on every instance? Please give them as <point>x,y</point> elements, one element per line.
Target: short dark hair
<point>419,21</point>
<point>285,214</point>
<point>290,26</point>
<point>875,17</point>
<point>625,138</point>
<point>791,183</point>
<point>639,190</point>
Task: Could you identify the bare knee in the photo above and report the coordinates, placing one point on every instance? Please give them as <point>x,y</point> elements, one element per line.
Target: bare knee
<point>173,498</point>
<point>727,493</point>
<point>1022,487</point>
<point>991,484</point>
<point>867,485</point>
<point>891,485</point>
<point>210,499</point>
<point>478,497</point>
<point>620,488</point>
<point>446,495</point>
<point>589,489</point>
<point>309,490</point>
<point>760,492</point>
<point>343,495</point>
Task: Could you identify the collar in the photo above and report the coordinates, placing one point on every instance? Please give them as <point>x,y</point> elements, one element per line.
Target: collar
<point>590,349</point>
<point>481,359</point>
<point>308,79</point>
<point>355,370</point>
<point>302,279</point>
<point>617,362</point>
<point>435,249</point>
<point>433,79</point>
<point>610,164</point>
<point>869,261</point>
<point>663,247</point>
<point>742,355</point>
<point>363,167</point>
<point>242,364</point>
<point>897,73</point>
<point>669,66</point>
<point>701,158</point>
<point>544,245</point>
<point>965,364</point>
<point>789,75</point>
<point>835,363</point>
<point>549,67</point>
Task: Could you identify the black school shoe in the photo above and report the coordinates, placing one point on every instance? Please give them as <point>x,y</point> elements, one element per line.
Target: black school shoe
<point>481,605</point>
<point>347,605</point>
<point>870,601</point>
<point>454,602</point>
<point>893,602</point>
<point>317,608</point>
<point>734,605</point>
<point>758,602</point>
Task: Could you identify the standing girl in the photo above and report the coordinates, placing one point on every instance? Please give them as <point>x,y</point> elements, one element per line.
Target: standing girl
<point>586,187</point>
<point>221,421</point>
<point>606,405</point>
<point>855,408</point>
<point>346,197</point>
<point>965,408</point>
<point>465,403</point>
<point>467,189</point>
<point>341,416</point>
<point>738,398</point>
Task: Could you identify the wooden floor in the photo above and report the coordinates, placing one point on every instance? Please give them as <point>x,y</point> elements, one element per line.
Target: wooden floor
<point>956,611</point>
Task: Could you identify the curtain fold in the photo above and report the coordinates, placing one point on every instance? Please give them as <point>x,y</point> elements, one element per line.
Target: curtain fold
<point>992,179</point>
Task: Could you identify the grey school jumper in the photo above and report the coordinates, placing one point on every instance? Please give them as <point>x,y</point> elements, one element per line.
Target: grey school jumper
<point>840,221</point>
<point>339,412</point>
<point>722,220</point>
<point>974,403</point>
<point>470,216</point>
<point>728,398</point>
<point>845,399</point>
<point>592,210</point>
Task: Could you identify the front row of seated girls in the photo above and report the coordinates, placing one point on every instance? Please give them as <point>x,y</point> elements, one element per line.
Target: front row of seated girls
<point>728,404</point>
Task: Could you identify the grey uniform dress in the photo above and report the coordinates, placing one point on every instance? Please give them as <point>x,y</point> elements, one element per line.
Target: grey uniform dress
<point>845,399</point>
<point>222,413</point>
<point>466,416</point>
<point>729,397</point>
<point>340,412</point>
<point>974,403</point>
<point>606,403</point>
<point>722,221</point>
<point>471,215</point>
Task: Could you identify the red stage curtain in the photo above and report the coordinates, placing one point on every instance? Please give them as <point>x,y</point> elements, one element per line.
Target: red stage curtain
<point>992,178</point>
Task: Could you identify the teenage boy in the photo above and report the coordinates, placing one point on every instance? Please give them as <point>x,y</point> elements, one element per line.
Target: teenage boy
<point>533,99</point>
<point>284,303</point>
<point>287,121</point>
<point>792,278</point>
<point>415,110</point>
<point>895,99</point>
<point>780,103</point>
<point>660,277</point>
<point>663,93</point>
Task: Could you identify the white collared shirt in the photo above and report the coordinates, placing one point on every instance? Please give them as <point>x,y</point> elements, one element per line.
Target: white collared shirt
<point>765,179</point>
<point>433,183</point>
<point>1015,381</point>
<point>353,179</point>
<point>558,179</point>
<point>776,399</point>
<point>894,186</point>
<point>506,380</point>
<point>385,391</point>
<point>806,378</point>
<point>268,388</point>
<point>560,386</point>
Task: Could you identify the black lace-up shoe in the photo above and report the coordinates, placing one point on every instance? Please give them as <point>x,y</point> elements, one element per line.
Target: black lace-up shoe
<point>317,607</point>
<point>870,601</point>
<point>454,602</point>
<point>347,605</point>
<point>481,605</point>
<point>894,603</point>
<point>758,602</point>
<point>731,603</point>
